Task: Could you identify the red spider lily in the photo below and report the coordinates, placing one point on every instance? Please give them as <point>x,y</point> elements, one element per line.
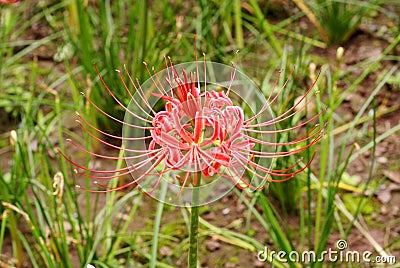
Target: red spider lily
<point>9,1</point>
<point>197,132</point>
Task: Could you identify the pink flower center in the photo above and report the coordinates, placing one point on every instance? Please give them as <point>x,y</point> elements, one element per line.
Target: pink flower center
<point>199,133</point>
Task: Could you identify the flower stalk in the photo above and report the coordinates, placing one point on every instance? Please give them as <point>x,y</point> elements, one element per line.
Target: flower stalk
<point>194,226</point>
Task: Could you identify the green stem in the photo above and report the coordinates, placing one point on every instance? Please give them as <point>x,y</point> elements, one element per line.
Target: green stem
<point>238,24</point>
<point>267,27</point>
<point>194,225</point>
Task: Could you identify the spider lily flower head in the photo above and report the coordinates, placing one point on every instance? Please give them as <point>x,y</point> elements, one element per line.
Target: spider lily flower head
<point>214,130</point>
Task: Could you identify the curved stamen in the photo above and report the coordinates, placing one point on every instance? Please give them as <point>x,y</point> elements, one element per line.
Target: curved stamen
<point>268,171</point>
<point>109,144</point>
<point>147,153</point>
<point>258,154</point>
<point>88,169</point>
<point>296,104</point>
<point>105,133</point>
<point>298,140</point>
<point>135,181</point>
<point>116,99</point>
<point>280,118</point>
<point>128,168</point>
<point>160,89</point>
<point>112,117</point>
<point>138,91</point>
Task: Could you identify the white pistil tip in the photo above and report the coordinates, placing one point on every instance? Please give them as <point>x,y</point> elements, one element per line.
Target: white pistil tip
<point>69,140</point>
<point>95,182</point>
<point>77,186</point>
<point>145,63</point>
<point>118,71</point>
<point>83,94</point>
<point>75,170</point>
<point>312,67</point>
<point>357,146</point>
<point>339,53</point>
<point>76,112</point>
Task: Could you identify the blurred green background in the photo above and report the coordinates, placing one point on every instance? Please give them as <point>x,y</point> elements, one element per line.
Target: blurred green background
<point>47,54</point>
